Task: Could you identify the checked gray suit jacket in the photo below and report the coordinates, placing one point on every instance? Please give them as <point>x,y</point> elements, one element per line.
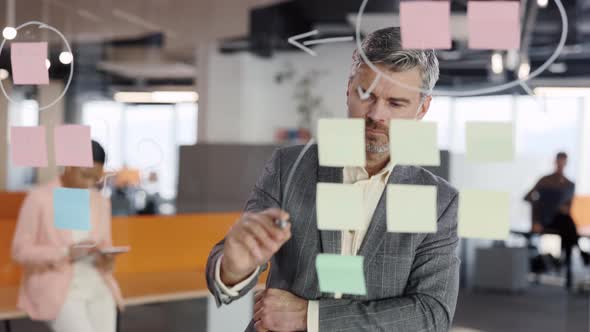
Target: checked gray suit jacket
<point>412,279</point>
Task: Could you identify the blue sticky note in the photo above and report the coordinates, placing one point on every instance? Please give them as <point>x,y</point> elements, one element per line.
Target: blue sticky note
<point>71,209</point>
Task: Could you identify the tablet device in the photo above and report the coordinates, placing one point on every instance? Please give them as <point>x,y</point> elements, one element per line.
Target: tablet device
<point>114,250</point>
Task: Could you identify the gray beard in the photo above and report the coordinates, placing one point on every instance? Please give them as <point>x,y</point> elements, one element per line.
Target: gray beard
<point>374,148</point>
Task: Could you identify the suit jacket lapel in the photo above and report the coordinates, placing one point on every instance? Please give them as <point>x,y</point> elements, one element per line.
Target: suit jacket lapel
<point>331,240</point>
<point>378,226</point>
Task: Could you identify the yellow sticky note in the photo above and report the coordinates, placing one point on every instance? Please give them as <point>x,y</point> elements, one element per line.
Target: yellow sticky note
<point>484,214</point>
<point>339,206</point>
<point>411,209</point>
<point>413,142</point>
<point>341,142</point>
<point>489,142</point>
<point>341,274</point>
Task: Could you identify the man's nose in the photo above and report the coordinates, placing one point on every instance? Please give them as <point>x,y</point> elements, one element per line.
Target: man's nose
<point>378,112</point>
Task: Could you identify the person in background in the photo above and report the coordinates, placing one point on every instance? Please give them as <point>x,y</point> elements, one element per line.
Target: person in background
<point>150,195</point>
<point>551,199</point>
<point>66,281</point>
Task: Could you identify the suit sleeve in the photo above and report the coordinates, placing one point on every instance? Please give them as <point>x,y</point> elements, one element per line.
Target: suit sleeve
<point>26,250</point>
<point>430,297</point>
<point>266,194</point>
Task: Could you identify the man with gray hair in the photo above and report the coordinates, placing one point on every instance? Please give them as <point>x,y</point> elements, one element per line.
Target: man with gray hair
<point>411,278</point>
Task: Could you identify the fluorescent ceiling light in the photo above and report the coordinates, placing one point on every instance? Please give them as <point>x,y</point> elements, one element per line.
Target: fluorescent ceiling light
<point>524,70</point>
<point>497,63</point>
<point>562,92</point>
<point>159,97</point>
<point>542,3</point>
<point>66,58</point>
<point>4,74</point>
<point>9,33</point>
<point>558,68</point>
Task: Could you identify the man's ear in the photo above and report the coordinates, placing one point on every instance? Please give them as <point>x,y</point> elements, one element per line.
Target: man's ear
<point>424,108</point>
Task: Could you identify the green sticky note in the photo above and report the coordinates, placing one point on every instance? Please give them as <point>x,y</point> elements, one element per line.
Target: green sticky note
<point>413,142</point>
<point>339,206</point>
<point>411,209</point>
<point>484,214</point>
<point>341,274</point>
<point>341,142</point>
<point>489,142</point>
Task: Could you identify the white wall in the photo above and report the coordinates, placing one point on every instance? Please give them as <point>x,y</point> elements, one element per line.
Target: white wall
<point>246,105</point>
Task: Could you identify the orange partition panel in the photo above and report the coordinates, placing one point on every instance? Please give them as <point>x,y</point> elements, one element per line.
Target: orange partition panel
<point>158,243</point>
<point>9,271</point>
<point>10,203</point>
<point>169,243</point>
<point>581,211</point>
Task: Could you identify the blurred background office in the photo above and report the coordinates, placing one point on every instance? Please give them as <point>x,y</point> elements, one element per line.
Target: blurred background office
<point>190,98</point>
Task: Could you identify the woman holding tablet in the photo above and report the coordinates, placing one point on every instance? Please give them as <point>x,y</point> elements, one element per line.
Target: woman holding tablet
<point>67,274</point>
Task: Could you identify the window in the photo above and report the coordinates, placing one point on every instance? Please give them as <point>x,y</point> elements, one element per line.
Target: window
<point>492,109</point>
<point>145,137</point>
<point>439,112</point>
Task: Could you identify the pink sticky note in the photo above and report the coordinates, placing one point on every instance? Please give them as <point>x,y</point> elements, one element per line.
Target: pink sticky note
<point>28,146</point>
<point>425,24</point>
<point>494,25</point>
<point>28,63</point>
<point>73,146</point>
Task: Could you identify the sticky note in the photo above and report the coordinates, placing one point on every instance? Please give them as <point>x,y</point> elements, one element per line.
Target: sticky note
<point>493,25</point>
<point>339,206</point>
<point>416,33</point>
<point>484,214</point>
<point>71,208</point>
<point>488,142</point>
<point>411,209</point>
<point>341,274</point>
<point>28,63</point>
<point>73,146</point>
<point>341,142</point>
<point>414,142</point>
<point>28,146</point>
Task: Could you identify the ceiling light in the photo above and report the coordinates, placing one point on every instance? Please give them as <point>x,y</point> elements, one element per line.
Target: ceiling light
<point>66,58</point>
<point>512,59</point>
<point>9,33</point>
<point>562,92</point>
<point>47,64</point>
<point>175,96</point>
<point>3,74</point>
<point>558,68</point>
<point>158,97</point>
<point>497,63</point>
<point>524,70</point>
<point>542,3</point>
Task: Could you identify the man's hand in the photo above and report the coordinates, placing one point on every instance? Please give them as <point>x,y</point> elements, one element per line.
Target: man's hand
<point>251,242</point>
<point>280,311</point>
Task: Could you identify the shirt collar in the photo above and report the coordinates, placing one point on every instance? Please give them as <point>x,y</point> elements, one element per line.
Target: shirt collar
<point>357,173</point>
